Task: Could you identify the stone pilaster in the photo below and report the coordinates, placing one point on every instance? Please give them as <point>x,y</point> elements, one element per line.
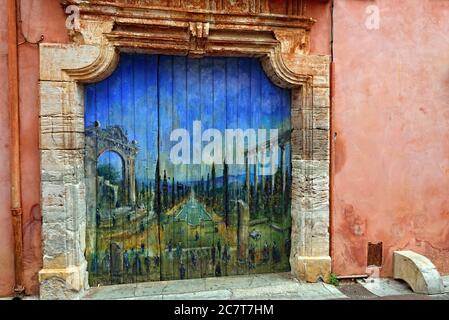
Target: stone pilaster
<point>310,260</point>
<point>63,196</point>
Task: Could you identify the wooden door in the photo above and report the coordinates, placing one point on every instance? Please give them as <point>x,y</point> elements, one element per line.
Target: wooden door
<point>188,170</point>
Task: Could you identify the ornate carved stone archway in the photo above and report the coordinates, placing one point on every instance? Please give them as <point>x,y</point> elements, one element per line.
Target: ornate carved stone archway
<point>196,28</point>
<point>99,140</point>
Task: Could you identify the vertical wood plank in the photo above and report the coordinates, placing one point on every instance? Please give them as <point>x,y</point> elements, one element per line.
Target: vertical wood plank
<point>193,106</point>
<point>255,244</point>
<point>101,97</point>
<point>140,113</point>
<point>208,236</point>
<point>232,123</point>
<point>244,123</point>
<point>180,121</point>
<point>219,122</point>
<point>153,245</point>
<point>165,108</point>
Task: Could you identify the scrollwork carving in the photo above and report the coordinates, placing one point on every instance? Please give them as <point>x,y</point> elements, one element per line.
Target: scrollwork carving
<point>99,69</point>
<point>199,32</point>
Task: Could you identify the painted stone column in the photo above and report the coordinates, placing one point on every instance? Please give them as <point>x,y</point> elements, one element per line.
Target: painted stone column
<point>132,181</point>
<point>243,230</point>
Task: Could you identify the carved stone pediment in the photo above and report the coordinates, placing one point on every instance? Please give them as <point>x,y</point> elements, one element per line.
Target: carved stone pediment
<point>198,28</point>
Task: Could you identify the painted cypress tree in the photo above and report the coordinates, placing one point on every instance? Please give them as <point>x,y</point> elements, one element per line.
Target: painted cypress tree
<point>225,194</point>
<point>213,183</point>
<point>207,188</point>
<point>267,196</point>
<point>202,185</point>
<point>173,197</point>
<point>157,192</point>
<point>255,194</point>
<point>181,193</point>
<point>142,193</point>
<point>165,191</point>
<point>277,193</point>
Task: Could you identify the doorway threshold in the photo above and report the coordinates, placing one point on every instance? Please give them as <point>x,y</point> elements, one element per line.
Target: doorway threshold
<point>269,286</point>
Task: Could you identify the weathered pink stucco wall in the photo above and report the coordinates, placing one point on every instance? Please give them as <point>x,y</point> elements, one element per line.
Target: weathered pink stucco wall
<point>320,35</point>
<point>39,18</point>
<point>391,116</point>
<point>6,240</point>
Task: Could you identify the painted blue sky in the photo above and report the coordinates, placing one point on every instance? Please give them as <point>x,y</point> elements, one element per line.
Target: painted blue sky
<point>147,91</point>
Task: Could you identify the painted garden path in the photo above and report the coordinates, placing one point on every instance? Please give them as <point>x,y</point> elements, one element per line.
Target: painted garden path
<point>193,212</point>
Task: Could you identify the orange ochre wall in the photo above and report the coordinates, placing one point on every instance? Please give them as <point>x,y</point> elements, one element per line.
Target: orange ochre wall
<point>40,17</point>
<point>390,115</point>
<point>391,120</point>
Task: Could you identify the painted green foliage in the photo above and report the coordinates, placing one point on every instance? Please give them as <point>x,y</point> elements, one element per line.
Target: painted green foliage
<point>155,219</point>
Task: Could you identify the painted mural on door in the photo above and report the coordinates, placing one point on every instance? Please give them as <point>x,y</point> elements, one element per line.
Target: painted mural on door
<point>188,170</point>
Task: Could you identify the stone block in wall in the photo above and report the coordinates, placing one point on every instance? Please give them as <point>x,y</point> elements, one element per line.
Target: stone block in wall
<point>321,97</point>
<point>318,223</point>
<point>321,81</point>
<point>310,144</point>
<point>66,166</point>
<point>306,203</point>
<point>311,175</point>
<point>58,240</point>
<point>311,124</point>
<point>310,229</point>
<point>298,233</point>
<point>55,58</point>
<point>311,180</point>
<point>63,246</point>
<point>69,208</point>
<point>320,245</point>
<point>311,118</point>
<point>61,140</point>
<point>53,194</point>
<point>311,269</point>
<point>61,98</point>
<point>63,283</point>
<point>62,123</point>
<point>320,144</point>
<point>314,65</point>
<point>321,118</point>
<point>310,207</point>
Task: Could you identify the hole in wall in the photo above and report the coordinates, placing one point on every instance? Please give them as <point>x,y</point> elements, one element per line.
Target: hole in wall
<point>375,254</point>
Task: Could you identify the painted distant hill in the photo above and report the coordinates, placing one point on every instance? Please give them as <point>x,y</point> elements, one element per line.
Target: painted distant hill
<point>232,180</point>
